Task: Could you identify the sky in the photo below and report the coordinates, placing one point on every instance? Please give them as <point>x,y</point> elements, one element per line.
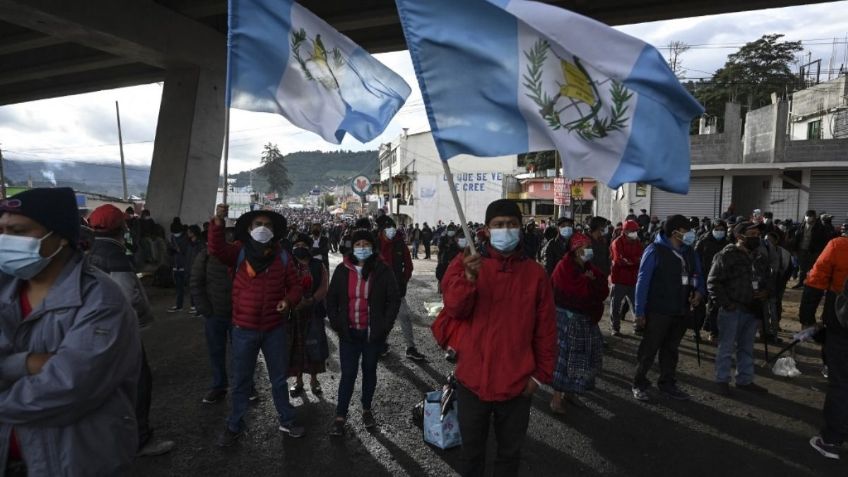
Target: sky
<point>83,127</point>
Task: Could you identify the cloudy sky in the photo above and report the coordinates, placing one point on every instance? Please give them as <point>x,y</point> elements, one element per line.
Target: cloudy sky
<point>83,127</point>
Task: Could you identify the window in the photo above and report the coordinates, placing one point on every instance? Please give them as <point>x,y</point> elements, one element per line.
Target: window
<point>814,130</point>
<point>546,186</point>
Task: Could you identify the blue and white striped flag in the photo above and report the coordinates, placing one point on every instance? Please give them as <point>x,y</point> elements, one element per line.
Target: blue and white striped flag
<point>283,59</point>
<point>511,76</point>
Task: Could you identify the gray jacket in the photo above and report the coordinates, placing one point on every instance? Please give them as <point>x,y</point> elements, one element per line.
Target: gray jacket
<point>77,416</point>
<point>110,256</point>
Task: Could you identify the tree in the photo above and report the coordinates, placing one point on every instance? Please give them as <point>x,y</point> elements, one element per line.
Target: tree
<point>750,76</point>
<point>329,200</point>
<point>274,170</point>
<point>675,51</point>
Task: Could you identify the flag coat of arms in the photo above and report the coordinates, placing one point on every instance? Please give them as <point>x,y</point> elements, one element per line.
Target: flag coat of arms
<point>503,77</point>
<point>283,59</point>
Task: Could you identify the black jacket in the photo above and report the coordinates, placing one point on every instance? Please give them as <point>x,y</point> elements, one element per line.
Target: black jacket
<point>818,239</point>
<point>552,253</point>
<point>211,286</point>
<point>448,249</point>
<point>426,235</point>
<point>732,276</point>
<point>383,301</point>
<point>601,255</point>
<point>707,249</point>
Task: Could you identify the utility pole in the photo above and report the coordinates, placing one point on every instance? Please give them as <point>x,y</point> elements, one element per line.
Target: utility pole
<point>2,177</point>
<point>121,147</point>
<point>557,208</point>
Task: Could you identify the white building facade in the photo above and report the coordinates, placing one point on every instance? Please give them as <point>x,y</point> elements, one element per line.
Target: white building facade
<point>412,175</point>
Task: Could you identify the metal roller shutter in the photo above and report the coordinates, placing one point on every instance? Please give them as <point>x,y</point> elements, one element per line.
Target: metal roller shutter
<point>829,193</point>
<point>703,199</point>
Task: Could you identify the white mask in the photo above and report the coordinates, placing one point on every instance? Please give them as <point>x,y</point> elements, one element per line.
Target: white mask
<point>633,235</point>
<point>262,234</point>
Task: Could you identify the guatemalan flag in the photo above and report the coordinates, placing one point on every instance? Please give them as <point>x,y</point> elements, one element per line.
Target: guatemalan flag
<point>283,59</point>
<point>503,77</point>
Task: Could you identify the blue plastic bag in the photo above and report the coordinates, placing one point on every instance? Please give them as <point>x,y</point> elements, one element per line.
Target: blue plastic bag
<point>441,429</point>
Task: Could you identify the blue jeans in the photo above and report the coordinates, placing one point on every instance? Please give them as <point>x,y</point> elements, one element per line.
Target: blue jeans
<point>246,346</point>
<point>179,284</point>
<point>738,330</point>
<point>415,244</point>
<point>217,336</point>
<point>349,354</point>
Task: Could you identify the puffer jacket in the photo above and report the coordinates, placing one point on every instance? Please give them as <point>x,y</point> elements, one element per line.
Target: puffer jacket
<point>211,286</point>
<point>510,334</point>
<point>831,269</point>
<point>626,255</point>
<point>77,416</point>
<point>110,256</point>
<point>731,278</point>
<point>255,298</point>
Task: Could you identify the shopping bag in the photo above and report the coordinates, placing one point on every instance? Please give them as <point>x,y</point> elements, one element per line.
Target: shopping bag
<point>441,419</point>
<point>315,342</point>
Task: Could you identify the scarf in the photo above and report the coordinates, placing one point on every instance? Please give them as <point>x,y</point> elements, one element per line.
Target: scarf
<point>260,256</point>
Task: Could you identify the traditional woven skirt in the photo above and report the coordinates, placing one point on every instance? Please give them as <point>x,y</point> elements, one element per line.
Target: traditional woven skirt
<point>581,351</point>
<point>299,362</point>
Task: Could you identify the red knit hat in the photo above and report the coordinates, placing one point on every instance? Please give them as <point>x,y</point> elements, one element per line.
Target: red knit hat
<point>631,226</point>
<point>579,240</point>
<point>107,217</point>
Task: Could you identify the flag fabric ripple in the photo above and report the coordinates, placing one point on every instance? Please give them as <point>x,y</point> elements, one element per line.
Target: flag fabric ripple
<point>503,77</point>
<point>283,59</point>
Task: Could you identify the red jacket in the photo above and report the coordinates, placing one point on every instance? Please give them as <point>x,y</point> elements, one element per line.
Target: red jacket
<point>395,254</point>
<point>626,255</point>
<point>574,291</point>
<point>255,298</point>
<point>510,330</point>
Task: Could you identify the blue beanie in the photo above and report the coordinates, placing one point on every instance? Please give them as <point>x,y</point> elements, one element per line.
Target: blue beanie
<point>55,209</point>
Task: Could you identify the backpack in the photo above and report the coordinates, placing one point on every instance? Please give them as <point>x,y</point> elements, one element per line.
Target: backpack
<point>284,258</point>
<point>841,306</point>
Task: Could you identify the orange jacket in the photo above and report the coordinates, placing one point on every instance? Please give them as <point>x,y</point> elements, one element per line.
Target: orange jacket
<point>831,269</point>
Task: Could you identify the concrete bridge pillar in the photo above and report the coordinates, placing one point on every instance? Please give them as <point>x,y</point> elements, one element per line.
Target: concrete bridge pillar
<point>184,174</point>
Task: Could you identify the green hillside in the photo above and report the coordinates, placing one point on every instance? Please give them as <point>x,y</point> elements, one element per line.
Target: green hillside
<point>309,168</point>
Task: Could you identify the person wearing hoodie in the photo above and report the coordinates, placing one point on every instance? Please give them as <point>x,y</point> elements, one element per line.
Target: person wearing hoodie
<point>508,343</point>
<point>580,289</point>
<point>363,300</point>
<point>669,284</point>
<point>555,249</point>
<point>394,253</point>
<point>626,256</point>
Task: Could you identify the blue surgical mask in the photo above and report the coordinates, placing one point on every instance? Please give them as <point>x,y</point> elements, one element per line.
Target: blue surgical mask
<point>462,242</point>
<point>719,234</point>
<point>689,238</point>
<point>21,257</point>
<point>390,233</point>
<point>588,254</point>
<point>566,232</point>
<point>451,233</point>
<point>504,240</point>
<point>362,253</point>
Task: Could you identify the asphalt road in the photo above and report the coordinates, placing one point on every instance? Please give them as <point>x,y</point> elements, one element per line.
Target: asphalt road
<point>744,435</point>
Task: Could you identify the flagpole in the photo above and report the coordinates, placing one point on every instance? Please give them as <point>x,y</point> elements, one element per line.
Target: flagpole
<point>455,196</point>
<point>226,150</point>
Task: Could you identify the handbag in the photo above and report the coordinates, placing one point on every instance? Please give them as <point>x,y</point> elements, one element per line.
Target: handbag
<point>315,342</point>
<point>441,417</point>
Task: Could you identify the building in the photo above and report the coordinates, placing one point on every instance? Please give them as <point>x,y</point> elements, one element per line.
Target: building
<point>792,156</point>
<point>414,188</point>
<point>534,193</point>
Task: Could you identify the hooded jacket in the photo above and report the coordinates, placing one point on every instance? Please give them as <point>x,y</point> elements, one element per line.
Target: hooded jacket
<point>659,287</point>
<point>77,416</point>
<point>255,298</point>
<point>110,256</point>
<point>383,300</point>
<point>576,292</point>
<point>510,333</point>
<point>626,255</point>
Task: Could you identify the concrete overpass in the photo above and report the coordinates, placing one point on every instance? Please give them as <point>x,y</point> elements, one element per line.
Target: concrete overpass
<point>51,48</point>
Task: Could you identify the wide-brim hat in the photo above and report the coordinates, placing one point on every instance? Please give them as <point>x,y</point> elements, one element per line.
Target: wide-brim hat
<point>242,228</point>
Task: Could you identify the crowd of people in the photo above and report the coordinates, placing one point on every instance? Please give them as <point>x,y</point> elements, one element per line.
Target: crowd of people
<point>73,364</point>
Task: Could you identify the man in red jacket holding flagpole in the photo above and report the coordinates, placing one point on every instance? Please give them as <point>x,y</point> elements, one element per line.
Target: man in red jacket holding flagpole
<point>508,346</point>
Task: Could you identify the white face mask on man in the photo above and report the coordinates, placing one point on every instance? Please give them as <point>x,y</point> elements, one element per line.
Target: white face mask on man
<point>262,234</point>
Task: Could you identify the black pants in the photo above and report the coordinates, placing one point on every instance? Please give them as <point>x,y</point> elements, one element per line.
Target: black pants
<point>810,299</point>
<point>511,420</point>
<point>835,429</point>
<point>142,405</point>
<point>662,334</point>
<point>427,250</point>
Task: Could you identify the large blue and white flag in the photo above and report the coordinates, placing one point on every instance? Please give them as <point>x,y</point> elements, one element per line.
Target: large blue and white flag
<point>511,76</point>
<point>283,59</point>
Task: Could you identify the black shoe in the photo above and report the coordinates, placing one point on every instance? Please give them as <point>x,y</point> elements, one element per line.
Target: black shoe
<point>338,428</point>
<point>228,437</point>
<point>296,390</point>
<point>798,286</point>
<point>616,332</point>
<point>368,420</point>
<point>292,430</point>
<point>752,387</point>
<point>450,356</point>
<point>723,389</point>
<point>831,451</point>
<point>214,396</point>
<point>413,354</point>
<point>638,330</point>
<point>385,351</point>
<point>675,393</point>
